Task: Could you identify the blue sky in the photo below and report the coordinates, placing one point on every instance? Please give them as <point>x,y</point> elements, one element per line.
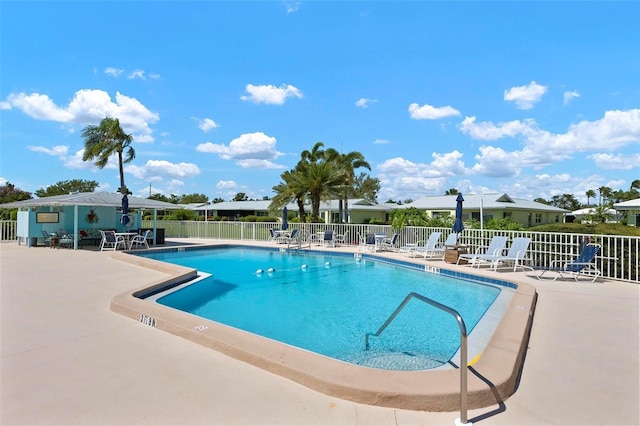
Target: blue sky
<point>533,99</point>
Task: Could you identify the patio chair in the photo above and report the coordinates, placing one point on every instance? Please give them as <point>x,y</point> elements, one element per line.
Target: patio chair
<point>139,240</point>
<point>367,242</point>
<point>111,241</point>
<point>515,255</point>
<point>584,264</point>
<point>425,248</point>
<point>495,248</point>
<point>328,240</point>
<point>389,243</point>
<point>47,238</point>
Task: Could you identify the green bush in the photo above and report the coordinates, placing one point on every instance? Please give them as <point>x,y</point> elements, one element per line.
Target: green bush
<point>588,228</point>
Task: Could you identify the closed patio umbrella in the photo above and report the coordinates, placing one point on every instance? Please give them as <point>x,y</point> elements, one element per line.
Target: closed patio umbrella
<point>125,210</point>
<point>458,226</point>
<point>285,223</point>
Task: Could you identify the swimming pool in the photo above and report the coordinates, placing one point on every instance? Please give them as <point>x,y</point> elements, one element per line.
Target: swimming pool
<point>326,304</point>
<point>497,359</point>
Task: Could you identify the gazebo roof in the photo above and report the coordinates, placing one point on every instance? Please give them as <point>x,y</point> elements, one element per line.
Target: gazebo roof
<point>109,199</point>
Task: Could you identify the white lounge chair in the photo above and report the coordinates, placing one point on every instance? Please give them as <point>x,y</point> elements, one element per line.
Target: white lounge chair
<point>438,251</point>
<point>424,248</point>
<point>495,248</point>
<point>516,255</point>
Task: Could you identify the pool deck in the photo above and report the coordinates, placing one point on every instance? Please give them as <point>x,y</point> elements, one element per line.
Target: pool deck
<point>66,358</point>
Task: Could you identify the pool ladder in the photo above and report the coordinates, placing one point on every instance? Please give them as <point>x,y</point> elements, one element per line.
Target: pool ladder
<point>463,345</point>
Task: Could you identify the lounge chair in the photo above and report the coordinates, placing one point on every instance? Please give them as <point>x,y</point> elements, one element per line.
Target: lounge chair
<point>389,243</point>
<point>139,240</point>
<point>438,251</point>
<point>495,248</point>
<point>582,265</point>
<point>111,241</point>
<point>516,255</point>
<point>47,237</point>
<point>424,248</point>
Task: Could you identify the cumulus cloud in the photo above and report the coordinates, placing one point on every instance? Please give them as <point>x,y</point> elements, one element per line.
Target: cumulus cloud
<point>271,95</point>
<point>89,107</point>
<point>249,150</point>
<point>525,96</point>
<point>226,185</point>
<point>488,131</point>
<point>381,141</point>
<point>136,74</point>
<point>155,170</point>
<point>56,151</point>
<point>616,162</point>
<point>364,102</point>
<point>569,96</point>
<point>207,124</point>
<point>496,162</point>
<point>428,112</point>
<point>402,177</point>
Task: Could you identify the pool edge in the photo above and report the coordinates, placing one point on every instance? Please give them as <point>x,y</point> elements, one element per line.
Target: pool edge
<point>491,380</point>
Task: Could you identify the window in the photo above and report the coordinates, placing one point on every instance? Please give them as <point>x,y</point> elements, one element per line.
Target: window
<point>440,214</point>
<point>538,217</point>
<point>506,215</point>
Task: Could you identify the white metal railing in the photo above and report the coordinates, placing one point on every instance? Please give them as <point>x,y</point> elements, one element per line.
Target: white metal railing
<point>618,259</point>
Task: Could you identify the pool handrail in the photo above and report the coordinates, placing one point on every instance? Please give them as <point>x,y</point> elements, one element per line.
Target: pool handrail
<point>463,344</point>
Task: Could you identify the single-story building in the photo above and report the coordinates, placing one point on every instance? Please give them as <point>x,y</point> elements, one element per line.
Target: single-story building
<point>630,209</point>
<point>611,215</point>
<point>84,211</point>
<point>482,207</point>
<point>359,210</point>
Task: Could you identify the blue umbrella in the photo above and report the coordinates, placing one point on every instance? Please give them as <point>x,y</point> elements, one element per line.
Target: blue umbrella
<point>285,224</point>
<point>458,226</point>
<point>125,210</point>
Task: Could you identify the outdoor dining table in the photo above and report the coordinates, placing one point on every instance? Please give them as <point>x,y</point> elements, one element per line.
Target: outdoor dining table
<point>127,237</point>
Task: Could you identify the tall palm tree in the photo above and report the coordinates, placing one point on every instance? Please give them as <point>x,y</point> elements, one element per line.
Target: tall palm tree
<point>590,194</point>
<point>346,164</point>
<point>322,182</point>
<point>290,189</point>
<point>605,192</point>
<point>104,140</point>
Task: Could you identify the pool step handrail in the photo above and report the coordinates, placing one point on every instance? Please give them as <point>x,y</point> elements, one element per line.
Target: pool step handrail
<point>463,344</point>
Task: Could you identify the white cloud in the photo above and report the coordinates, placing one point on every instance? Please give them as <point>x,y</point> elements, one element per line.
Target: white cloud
<point>496,162</point>
<point>258,164</point>
<point>226,185</point>
<point>291,6</point>
<point>114,72</point>
<point>269,94</point>
<point>525,96</point>
<point>364,102</point>
<point>249,146</point>
<point>56,151</point>
<point>158,169</point>
<point>428,112</point>
<point>207,124</point>
<point>488,131</point>
<point>137,74</point>
<point>89,107</point>
<point>616,162</point>
<point>381,141</point>
<point>569,96</point>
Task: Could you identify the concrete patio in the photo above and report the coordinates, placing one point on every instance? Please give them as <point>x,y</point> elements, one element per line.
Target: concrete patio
<point>66,359</point>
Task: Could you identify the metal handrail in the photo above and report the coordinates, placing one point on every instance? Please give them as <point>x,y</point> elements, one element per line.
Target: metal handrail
<point>463,343</point>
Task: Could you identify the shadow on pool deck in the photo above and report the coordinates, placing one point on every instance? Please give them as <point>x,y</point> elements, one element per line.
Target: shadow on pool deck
<point>67,359</point>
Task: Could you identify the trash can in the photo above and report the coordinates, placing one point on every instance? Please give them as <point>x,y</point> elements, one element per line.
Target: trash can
<point>33,242</point>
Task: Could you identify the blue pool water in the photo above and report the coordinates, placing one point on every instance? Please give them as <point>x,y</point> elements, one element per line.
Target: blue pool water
<point>326,304</point>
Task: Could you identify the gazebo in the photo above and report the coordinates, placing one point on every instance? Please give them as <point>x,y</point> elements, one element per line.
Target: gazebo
<point>92,210</point>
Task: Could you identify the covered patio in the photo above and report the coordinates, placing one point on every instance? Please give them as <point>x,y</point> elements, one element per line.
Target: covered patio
<point>85,211</point>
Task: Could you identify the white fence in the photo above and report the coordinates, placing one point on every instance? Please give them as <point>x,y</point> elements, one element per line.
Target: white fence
<point>619,258</point>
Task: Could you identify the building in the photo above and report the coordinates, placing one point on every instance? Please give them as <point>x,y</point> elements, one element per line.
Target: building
<point>359,210</point>
<point>630,209</point>
<point>482,207</point>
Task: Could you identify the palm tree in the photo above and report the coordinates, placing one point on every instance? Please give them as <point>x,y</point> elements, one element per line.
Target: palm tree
<point>346,164</point>
<point>104,140</point>
<point>605,192</point>
<point>590,194</point>
<point>322,182</point>
<point>451,191</point>
<point>289,190</point>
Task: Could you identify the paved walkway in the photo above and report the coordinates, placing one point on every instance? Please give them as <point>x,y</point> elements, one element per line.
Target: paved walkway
<point>66,359</point>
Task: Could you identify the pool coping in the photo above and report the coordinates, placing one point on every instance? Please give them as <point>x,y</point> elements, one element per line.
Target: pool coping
<point>491,379</point>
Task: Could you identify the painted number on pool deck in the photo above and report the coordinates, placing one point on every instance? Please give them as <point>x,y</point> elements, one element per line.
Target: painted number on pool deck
<point>146,319</point>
